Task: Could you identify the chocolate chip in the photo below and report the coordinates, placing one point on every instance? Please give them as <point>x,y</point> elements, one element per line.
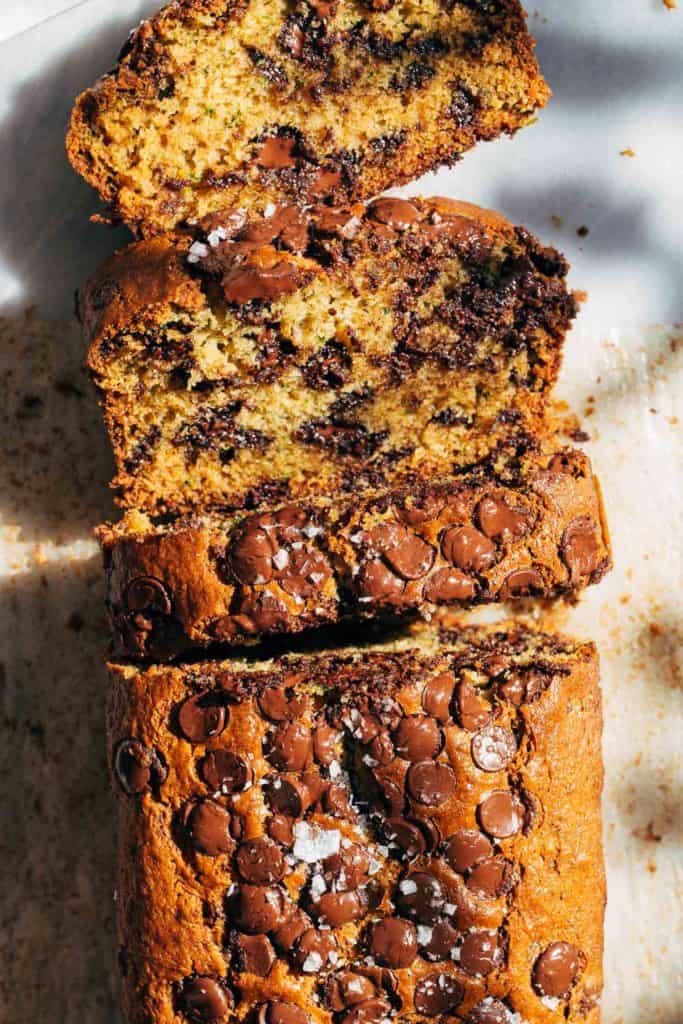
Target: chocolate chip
<point>258,909</point>
<point>279,1012</point>
<point>338,908</point>
<point>490,878</point>
<point>277,152</point>
<point>282,704</point>
<point>377,582</point>
<point>348,988</point>
<point>431,782</point>
<point>556,970</point>
<point>326,741</point>
<point>305,574</point>
<point>418,737</point>
<point>336,800</point>
<point>446,585</point>
<point>406,835</point>
<point>499,520</point>
<point>420,896</point>
<point>202,716</point>
<point>287,934</point>
<point>393,942</point>
<point>260,861</point>
<point>348,869</point>
<point>342,221</point>
<point>465,848</point>
<point>524,686</point>
<point>371,1011</point>
<point>208,827</point>
<point>324,182</point>
<point>473,712</point>
<point>392,796</point>
<point>397,213</point>
<point>261,612</point>
<point>315,951</point>
<point>254,954</point>
<point>145,593</point>
<point>247,282</point>
<point>289,747</point>
<point>204,999</point>
<point>137,768</point>
<point>490,1011</point>
<point>521,583</point>
<point>439,941</point>
<point>436,994</point>
<point>436,696</point>
<point>481,953</point>
<point>405,553</point>
<point>281,828</point>
<point>381,749</point>
<point>287,796</point>
<point>249,556</point>
<point>225,772</point>
<point>493,748</point>
<point>579,548</point>
<point>501,814</point>
<point>429,508</point>
<point>468,549</point>
<point>569,463</point>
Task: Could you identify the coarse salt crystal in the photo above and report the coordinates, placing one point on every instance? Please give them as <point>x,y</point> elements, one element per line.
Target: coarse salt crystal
<point>550,1002</point>
<point>312,963</point>
<point>313,844</point>
<point>407,887</point>
<point>311,530</point>
<point>280,559</point>
<point>269,210</point>
<point>215,237</point>
<point>197,252</point>
<point>424,934</point>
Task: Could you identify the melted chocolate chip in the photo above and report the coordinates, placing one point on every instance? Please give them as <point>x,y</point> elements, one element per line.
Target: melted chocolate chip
<point>396,213</point>
<point>449,585</point>
<point>501,814</point>
<point>406,554</point>
<point>436,696</point>
<point>254,954</point>
<point>205,999</point>
<point>137,768</point>
<point>280,1012</point>
<point>314,951</point>
<point>493,748</point>
<point>418,737</point>
<point>282,704</point>
<point>326,741</point>
<point>347,989</point>
<point>371,1011</point>
<point>556,970</point>
<point>499,520</point>
<point>377,582</point>
<point>465,848</point>
<point>281,828</point>
<point>289,747</point>
<point>393,942</point>
<point>258,909</point>
<point>490,878</point>
<point>579,548</point>
<point>225,772</point>
<point>286,935</point>
<point>431,782</point>
<point>290,797</point>
<point>440,941</point>
<point>524,686</point>
<point>406,835</point>
<point>338,908</point>
<point>521,583</point>
<point>246,282</point>
<point>202,716</point>
<point>468,549</point>
<point>436,994</point>
<point>481,953</point>
<point>277,152</point>
<point>473,712</point>
<point>146,594</point>
<point>420,896</point>
<point>260,861</point>
<point>489,1011</point>
<point>249,556</point>
<point>208,827</point>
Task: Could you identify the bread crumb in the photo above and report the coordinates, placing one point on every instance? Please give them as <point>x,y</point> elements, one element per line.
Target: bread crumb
<point>670,5</point>
<point>627,152</point>
<point>647,834</point>
<point>583,231</point>
<point>556,220</point>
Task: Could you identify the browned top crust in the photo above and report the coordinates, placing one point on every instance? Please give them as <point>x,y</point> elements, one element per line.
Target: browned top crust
<point>499,534</point>
<point>408,832</point>
<point>243,103</point>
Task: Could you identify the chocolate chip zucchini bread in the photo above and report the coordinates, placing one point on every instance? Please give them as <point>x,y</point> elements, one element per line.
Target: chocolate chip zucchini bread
<point>402,832</point>
<point>530,525</point>
<point>322,351</point>
<point>219,103</point>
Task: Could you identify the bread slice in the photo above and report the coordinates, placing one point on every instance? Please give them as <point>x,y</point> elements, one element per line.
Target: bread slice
<point>219,103</point>
<point>322,351</point>
<point>530,524</point>
<point>405,832</point>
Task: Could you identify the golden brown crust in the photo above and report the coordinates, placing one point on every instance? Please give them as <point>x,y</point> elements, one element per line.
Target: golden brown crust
<point>321,349</point>
<point>507,712</point>
<point>202,581</point>
<point>373,98</point>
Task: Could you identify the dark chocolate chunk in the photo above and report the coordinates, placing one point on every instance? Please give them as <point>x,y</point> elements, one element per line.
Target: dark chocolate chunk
<point>556,970</point>
<point>260,861</point>
<point>393,942</point>
<point>437,695</point>
<point>431,782</point>
<point>490,878</point>
<point>468,549</point>
<point>289,747</point>
<point>281,704</point>
<point>205,999</point>
<point>146,594</point>
<point>258,909</point>
<point>279,1012</point>
<point>208,827</point>
<point>396,213</point>
<point>579,548</point>
<point>521,583</point>
<point>501,814</point>
<point>449,585</point>
<point>473,712</point>
<point>314,951</point>
<point>405,553</point>
<point>502,521</point>
<point>418,737</point>
<point>436,994</point>
<point>202,716</point>
<point>439,941</point>
<point>489,1011</point>
<point>465,848</point>
<point>254,954</point>
<point>481,953</point>
<point>225,772</point>
<point>421,897</point>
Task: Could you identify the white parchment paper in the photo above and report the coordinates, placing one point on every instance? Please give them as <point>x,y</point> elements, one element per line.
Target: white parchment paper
<point>616,69</point>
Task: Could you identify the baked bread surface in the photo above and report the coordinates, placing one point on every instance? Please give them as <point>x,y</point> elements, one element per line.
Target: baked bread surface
<point>322,351</point>
<point>217,103</point>
<point>526,525</point>
<point>404,832</point>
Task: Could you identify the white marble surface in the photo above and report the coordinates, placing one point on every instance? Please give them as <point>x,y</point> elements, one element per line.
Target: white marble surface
<point>617,69</point>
